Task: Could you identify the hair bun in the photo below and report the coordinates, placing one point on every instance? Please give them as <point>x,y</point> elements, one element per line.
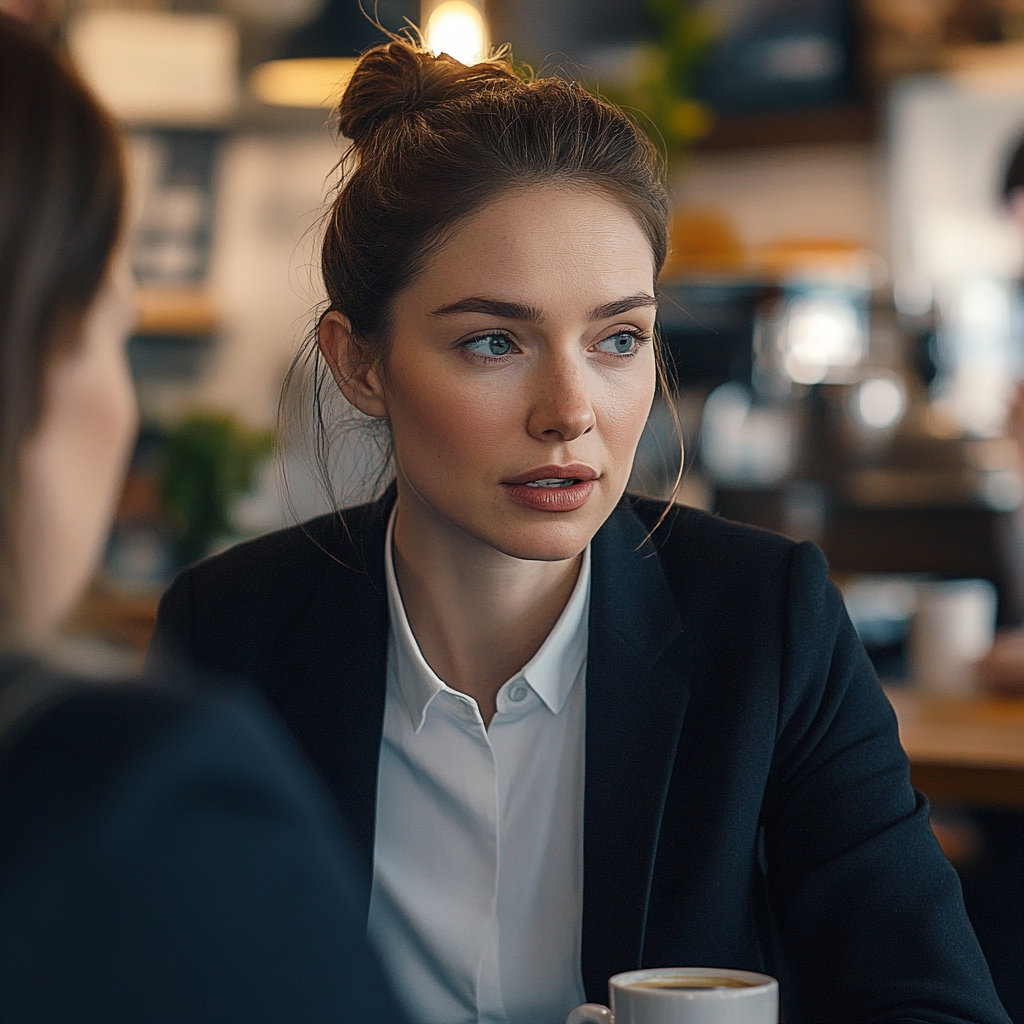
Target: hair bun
<point>399,78</point>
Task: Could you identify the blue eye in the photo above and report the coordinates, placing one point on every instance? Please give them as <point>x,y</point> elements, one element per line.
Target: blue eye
<point>490,345</point>
<point>621,344</point>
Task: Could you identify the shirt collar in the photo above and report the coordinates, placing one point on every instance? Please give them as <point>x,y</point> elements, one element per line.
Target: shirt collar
<point>550,673</point>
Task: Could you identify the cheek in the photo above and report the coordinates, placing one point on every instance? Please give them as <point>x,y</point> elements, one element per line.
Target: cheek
<point>450,423</point>
<point>122,415</point>
<point>99,427</point>
<point>72,470</point>
<point>625,408</point>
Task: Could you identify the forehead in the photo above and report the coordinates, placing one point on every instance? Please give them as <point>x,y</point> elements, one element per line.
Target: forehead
<point>551,246</point>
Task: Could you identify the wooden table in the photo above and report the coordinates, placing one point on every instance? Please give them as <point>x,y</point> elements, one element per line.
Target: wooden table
<point>123,619</point>
<point>964,750</point>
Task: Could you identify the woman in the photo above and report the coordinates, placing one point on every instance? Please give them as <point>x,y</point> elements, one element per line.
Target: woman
<point>574,734</point>
<point>164,854</point>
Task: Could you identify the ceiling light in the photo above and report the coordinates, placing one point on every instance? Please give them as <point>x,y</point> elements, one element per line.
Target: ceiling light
<point>456,27</point>
<point>312,65</point>
<point>302,82</point>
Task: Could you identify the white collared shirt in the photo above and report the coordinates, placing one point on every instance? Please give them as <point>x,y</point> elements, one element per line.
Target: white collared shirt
<point>477,898</point>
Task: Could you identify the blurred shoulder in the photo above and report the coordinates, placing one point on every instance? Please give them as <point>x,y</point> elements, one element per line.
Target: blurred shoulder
<point>68,741</point>
<point>702,549</point>
<point>148,827</point>
<point>243,597</point>
<point>88,744</point>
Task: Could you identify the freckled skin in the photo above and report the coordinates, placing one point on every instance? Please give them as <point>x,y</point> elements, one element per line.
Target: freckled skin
<point>462,426</point>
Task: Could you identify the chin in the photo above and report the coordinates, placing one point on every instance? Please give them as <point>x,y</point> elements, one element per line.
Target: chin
<point>545,541</point>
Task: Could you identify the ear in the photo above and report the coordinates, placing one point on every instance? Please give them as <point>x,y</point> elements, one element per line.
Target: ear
<point>353,372</point>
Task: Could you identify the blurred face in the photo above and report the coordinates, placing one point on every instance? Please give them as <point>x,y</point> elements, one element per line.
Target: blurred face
<point>72,466</point>
<point>522,371</point>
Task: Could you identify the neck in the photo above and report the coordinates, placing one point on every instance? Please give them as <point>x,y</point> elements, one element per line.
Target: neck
<point>478,615</point>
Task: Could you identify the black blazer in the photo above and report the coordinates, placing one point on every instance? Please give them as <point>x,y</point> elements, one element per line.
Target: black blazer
<point>747,802</point>
<point>169,856</point>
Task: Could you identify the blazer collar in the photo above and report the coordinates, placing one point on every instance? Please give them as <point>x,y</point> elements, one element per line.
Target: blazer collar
<point>634,718</point>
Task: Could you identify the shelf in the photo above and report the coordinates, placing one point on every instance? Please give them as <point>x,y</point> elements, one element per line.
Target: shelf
<point>996,66</point>
<point>176,311</point>
<point>817,126</point>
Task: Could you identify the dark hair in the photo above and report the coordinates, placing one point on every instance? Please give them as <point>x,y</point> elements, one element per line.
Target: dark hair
<point>433,140</point>
<point>1014,179</point>
<point>61,200</point>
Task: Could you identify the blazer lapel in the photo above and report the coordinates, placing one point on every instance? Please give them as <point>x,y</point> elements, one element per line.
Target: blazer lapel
<point>634,718</point>
<point>338,672</point>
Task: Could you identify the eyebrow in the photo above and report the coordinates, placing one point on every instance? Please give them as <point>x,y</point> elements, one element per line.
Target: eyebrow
<point>620,306</point>
<point>492,307</point>
<point>531,315</point>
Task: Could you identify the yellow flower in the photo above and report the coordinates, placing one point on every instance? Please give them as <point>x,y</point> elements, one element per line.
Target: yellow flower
<point>687,120</point>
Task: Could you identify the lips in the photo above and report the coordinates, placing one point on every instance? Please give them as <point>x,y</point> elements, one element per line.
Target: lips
<point>549,475</point>
<point>552,488</point>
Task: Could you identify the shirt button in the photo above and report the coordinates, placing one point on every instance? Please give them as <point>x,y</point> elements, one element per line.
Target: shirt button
<point>517,693</point>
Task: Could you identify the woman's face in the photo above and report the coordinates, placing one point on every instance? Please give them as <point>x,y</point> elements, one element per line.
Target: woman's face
<point>71,467</point>
<point>522,371</point>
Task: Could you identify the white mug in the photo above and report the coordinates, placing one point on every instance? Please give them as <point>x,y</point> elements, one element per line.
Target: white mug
<point>657,996</point>
<point>953,627</point>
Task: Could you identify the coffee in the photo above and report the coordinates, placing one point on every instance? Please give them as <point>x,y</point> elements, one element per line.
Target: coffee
<point>685,995</point>
<point>694,981</point>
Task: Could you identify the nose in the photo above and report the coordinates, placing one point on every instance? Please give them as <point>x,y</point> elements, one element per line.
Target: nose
<point>562,409</point>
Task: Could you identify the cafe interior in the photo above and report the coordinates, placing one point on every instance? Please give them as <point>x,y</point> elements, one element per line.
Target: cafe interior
<point>842,305</point>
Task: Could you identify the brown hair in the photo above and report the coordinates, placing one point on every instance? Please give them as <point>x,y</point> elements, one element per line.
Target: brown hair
<point>433,140</point>
<point>61,200</point>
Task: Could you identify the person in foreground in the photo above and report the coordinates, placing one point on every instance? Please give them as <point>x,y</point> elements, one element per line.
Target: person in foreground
<point>574,733</point>
<point>165,855</point>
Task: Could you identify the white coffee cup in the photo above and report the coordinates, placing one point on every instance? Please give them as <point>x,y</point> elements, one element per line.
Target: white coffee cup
<point>685,995</point>
<point>953,627</point>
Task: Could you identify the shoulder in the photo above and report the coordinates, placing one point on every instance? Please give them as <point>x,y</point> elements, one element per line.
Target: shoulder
<point>286,557</point>
<point>242,599</point>
<point>698,548</point>
<point>727,594</point>
<point>73,744</point>
<point>148,825</point>
<point>110,769</point>
<point>103,724</point>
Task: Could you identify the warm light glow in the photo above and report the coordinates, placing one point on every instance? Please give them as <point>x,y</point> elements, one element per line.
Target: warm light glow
<point>881,402</point>
<point>805,373</point>
<point>820,332</point>
<point>310,82</point>
<point>158,67</point>
<point>456,27</point>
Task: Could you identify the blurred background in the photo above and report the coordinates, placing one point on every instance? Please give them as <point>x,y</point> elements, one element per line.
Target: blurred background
<point>841,301</point>
<point>842,304</point>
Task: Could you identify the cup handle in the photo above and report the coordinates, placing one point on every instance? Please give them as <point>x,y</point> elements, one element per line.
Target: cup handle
<point>590,1013</point>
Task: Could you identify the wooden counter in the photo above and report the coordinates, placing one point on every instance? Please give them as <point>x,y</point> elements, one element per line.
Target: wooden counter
<point>963,750</point>
<point>126,620</point>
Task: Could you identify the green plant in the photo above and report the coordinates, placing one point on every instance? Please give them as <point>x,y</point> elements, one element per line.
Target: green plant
<point>660,82</point>
<point>209,460</point>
